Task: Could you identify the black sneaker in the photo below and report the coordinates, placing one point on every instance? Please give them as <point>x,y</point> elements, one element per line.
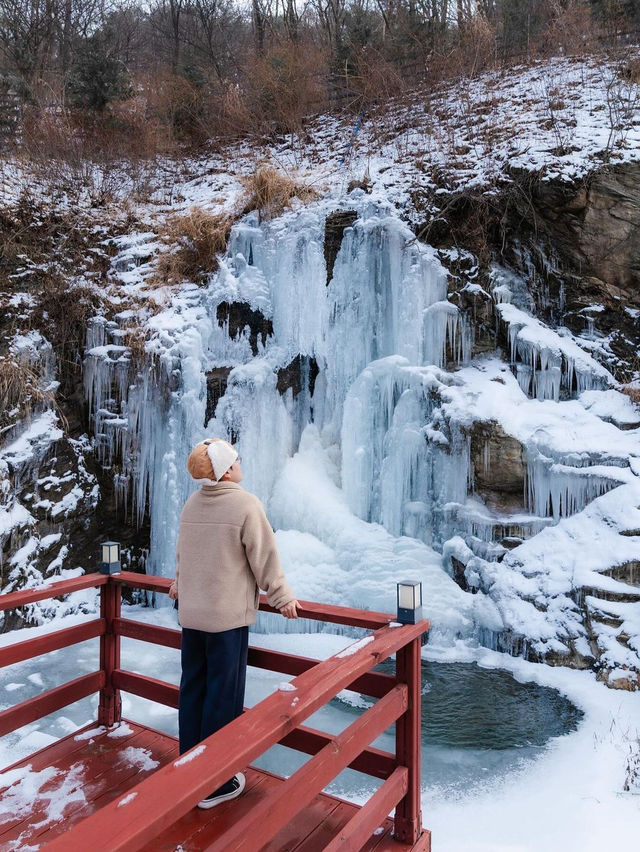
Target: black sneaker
<point>228,791</point>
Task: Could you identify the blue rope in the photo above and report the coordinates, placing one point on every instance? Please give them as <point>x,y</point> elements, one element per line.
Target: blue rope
<point>357,127</point>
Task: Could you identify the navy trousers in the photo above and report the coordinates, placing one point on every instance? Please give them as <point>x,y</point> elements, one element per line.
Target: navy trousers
<point>214,669</point>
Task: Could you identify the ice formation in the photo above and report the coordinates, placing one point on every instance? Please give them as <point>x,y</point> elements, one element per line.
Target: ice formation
<point>545,362</point>
<point>360,442</point>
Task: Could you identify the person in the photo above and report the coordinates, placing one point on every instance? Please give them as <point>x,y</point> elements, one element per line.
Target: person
<point>226,552</point>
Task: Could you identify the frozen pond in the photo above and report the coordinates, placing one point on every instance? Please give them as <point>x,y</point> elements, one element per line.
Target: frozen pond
<point>479,724</point>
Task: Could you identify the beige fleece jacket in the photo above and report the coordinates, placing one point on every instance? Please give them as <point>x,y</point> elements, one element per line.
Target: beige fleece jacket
<point>226,551</point>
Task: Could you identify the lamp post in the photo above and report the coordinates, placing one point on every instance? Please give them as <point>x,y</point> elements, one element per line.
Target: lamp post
<point>110,557</point>
<point>409,602</point>
<point>109,703</point>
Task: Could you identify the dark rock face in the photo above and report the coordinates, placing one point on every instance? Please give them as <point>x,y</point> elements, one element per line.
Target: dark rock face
<point>459,568</point>
<point>334,228</point>
<point>576,244</point>
<point>216,387</point>
<point>595,227</point>
<point>476,306</point>
<point>300,375</point>
<point>499,470</point>
<point>580,245</point>
<point>239,315</point>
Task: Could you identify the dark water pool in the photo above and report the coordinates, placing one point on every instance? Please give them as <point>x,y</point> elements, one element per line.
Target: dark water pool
<point>478,726</point>
<point>465,706</point>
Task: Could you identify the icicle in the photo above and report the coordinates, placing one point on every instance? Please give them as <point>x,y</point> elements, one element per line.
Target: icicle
<point>545,362</point>
<point>396,470</point>
<point>445,330</point>
<point>558,490</point>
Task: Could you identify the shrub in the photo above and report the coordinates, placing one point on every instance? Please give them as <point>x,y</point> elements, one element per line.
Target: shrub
<point>20,392</point>
<point>269,191</point>
<point>195,241</point>
<point>375,79</point>
<point>285,86</point>
<point>98,76</point>
<point>177,105</point>
<point>62,312</point>
<point>230,114</point>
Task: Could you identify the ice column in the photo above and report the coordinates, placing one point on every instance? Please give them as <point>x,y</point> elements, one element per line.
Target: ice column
<point>445,331</point>
<point>398,469</point>
<point>288,252</point>
<point>254,416</point>
<point>383,280</point>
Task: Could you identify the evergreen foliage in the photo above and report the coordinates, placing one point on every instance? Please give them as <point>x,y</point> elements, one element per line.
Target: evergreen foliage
<point>97,75</point>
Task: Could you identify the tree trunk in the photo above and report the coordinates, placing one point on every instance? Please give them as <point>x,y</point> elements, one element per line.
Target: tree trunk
<point>258,26</point>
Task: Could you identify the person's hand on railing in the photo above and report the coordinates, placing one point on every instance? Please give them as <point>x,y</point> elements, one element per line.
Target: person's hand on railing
<point>173,591</point>
<point>290,610</point>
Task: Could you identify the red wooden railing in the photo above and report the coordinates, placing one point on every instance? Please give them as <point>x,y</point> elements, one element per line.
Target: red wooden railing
<point>173,790</point>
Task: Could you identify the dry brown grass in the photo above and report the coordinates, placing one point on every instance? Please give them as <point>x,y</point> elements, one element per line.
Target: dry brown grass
<point>195,240</point>
<point>62,312</point>
<point>135,339</point>
<point>269,191</point>
<point>20,392</point>
<point>633,392</point>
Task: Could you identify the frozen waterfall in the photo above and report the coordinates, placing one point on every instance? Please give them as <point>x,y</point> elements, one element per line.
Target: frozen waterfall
<point>352,431</point>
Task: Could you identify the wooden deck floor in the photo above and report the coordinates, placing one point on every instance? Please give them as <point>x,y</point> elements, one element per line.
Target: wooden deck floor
<point>45,794</point>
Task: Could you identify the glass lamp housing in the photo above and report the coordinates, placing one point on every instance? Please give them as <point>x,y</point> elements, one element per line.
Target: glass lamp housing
<point>110,557</point>
<point>409,602</point>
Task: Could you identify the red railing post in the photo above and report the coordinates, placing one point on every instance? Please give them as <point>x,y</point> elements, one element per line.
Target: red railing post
<point>110,704</point>
<point>408,818</point>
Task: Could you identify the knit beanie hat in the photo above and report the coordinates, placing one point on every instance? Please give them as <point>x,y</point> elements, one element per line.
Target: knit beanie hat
<point>211,459</point>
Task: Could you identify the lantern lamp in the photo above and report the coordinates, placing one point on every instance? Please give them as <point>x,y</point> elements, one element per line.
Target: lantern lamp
<point>110,557</point>
<point>409,602</point>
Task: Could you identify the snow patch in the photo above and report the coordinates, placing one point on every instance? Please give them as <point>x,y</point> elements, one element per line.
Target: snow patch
<point>191,755</point>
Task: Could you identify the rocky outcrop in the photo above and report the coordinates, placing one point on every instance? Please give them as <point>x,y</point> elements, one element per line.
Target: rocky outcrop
<point>499,469</point>
<point>240,315</point>
<point>334,229</point>
<point>576,244</point>
<point>595,229</point>
<point>216,388</point>
<point>476,308</point>
<point>298,376</point>
<point>579,244</point>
